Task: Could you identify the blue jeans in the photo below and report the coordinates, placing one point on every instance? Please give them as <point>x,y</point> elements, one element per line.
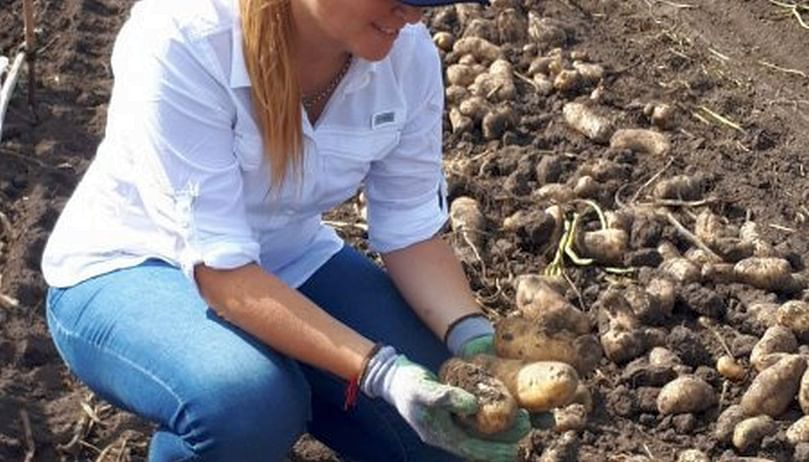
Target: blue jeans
<point>144,340</point>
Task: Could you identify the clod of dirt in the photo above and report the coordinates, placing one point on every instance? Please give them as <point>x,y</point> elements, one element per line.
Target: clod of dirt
<point>663,292</point>
<point>703,301</point>
<point>498,408</point>
<point>546,32</point>
<point>689,347</point>
<point>774,388</point>
<point>686,394</point>
<point>562,449</point>
<point>512,26</point>
<point>534,228</point>
<point>584,397</point>
<point>763,314</point>
<point>496,122</point>
<point>641,140</point>
<point>776,342</point>
<point>726,423</point>
<point>749,432</point>
<point>681,270</point>
<point>660,356</point>
<point>798,432</point>
<point>641,373</point>
<point>795,316</point>
<point>586,187</point>
<point>586,121</point>
<point>549,169</point>
<point>661,115</point>
<point>645,306</point>
<point>571,417</point>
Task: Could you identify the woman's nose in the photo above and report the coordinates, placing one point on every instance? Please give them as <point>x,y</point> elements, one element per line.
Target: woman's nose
<point>409,14</point>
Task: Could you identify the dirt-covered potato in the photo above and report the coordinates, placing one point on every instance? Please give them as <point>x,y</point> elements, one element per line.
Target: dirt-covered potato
<point>726,423</point>
<point>483,50</point>
<point>774,388</point>
<point>776,342</point>
<point>663,357</point>
<point>570,417</point>
<point>538,300</point>
<point>686,394</point>
<point>537,386</point>
<point>663,292</point>
<point>693,455</point>
<point>519,338</point>
<point>772,274</point>
<point>641,140</point>
<point>498,408</point>
<point>798,432</point>
<point>794,315</point>
<point>466,217</point>
<point>605,246</point>
<point>557,193</point>
<point>586,121</point>
<point>619,328</point>
<point>680,187</point>
<point>749,432</point>
<point>803,393</point>
<point>749,232</point>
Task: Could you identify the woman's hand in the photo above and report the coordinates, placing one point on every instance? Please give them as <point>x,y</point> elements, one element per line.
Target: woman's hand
<point>428,406</point>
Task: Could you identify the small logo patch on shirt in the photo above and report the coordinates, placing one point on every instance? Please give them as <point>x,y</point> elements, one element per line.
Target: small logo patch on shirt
<point>383,118</point>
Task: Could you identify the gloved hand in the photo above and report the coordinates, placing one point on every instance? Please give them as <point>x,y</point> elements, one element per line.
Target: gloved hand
<point>483,344</point>
<point>428,407</point>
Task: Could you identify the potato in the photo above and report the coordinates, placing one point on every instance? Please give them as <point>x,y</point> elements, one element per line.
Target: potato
<point>455,94</point>
<point>776,339</point>
<point>483,50</point>
<point>498,408</point>
<point>586,121</point>
<point>679,187</point>
<point>763,313</point>
<point>465,217</point>
<point>686,394</point>
<point>749,233</point>
<point>537,300</point>
<point>641,140</point>
<point>557,193</point>
<point>459,122</point>
<point>519,338</point>
<point>545,31</point>
<point>730,369</point>
<point>605,246</point>
<point>798,432</point>
<point>718,273</point>
<point>586,187</point>
<point>537,386</point>
<point>803,393</point>
<point>774,388</point>
<point>749,432</point>
<point>772,274</point>
<point>662,116</point>
<point>795,316</point>
<point>660,356</point>
<point>621,346</point>
<point>693,455</point>
<point>496,122</point>
<point>542,84</point>
<point>541,65</point>
<point>568,81</point>
<point>726,422</point>
<point>444,40</point>
<point>462,74</point>
<point>590,73</point>
<point>475,108</point>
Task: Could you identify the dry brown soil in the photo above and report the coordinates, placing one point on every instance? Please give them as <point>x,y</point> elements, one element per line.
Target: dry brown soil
<point>743,59</point>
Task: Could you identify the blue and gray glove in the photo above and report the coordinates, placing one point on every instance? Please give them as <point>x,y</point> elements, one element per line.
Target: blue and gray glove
<point>428,407</point>
<point>470,336</point>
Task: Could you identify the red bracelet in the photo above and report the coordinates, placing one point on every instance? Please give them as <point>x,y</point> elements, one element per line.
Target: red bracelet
<point>353,388</point>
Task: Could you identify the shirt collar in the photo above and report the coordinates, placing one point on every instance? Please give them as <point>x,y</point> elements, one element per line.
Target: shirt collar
<point>358,77</point>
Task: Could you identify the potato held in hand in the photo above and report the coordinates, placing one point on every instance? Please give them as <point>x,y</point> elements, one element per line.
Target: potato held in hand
<point>498,408</point>
<point>538,386</point>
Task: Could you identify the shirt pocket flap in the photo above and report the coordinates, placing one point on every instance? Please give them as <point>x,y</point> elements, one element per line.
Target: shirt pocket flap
<point>249,150</point>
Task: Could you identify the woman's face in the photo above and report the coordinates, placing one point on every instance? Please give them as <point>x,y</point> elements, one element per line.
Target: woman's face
<point>365,28</point>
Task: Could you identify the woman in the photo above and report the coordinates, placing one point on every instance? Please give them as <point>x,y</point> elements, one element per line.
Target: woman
<point>192,281</point>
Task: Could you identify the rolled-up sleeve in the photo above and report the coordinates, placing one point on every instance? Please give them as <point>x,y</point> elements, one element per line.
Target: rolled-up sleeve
<point>173,115</point>
<point>406,190</point>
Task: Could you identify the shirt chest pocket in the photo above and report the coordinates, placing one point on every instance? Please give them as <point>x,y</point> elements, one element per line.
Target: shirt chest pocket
<point>345,157</point>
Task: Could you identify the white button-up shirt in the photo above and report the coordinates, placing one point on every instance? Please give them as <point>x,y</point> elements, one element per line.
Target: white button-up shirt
<point>181,174</point>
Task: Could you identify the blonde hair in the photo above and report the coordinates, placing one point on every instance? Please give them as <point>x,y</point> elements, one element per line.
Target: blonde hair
<point>266,32</point>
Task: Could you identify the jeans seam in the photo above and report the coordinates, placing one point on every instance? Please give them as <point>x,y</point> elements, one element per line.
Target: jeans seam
<point>179,402</point>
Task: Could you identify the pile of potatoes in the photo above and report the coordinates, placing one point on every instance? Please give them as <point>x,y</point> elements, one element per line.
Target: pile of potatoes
<point>651,268</point>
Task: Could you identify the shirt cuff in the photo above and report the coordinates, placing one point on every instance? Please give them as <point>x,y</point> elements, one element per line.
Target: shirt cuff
<point>219,255</point>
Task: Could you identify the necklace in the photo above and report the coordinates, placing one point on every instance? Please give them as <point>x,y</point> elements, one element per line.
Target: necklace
<point>310,101</point>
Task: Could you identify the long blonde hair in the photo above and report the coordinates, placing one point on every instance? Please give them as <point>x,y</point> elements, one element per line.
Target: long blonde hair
<point>266,32</point>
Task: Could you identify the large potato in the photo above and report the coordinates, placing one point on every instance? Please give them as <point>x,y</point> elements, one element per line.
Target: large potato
<point>776,341</point>
<point>774,388</point>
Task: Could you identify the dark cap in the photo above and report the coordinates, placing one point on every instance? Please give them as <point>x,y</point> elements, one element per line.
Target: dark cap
<point>441,2</point>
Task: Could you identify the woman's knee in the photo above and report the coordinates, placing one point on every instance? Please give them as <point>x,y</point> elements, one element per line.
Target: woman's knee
<point>256,417</point>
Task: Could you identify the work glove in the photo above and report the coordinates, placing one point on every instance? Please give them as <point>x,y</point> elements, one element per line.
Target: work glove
<point>428,407</point>
<point>471,335</point>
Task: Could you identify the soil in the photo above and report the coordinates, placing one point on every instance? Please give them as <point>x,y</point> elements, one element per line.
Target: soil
<point>735,73</point>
